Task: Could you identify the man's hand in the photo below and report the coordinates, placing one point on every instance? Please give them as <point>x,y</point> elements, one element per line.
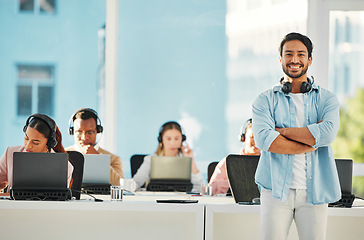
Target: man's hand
<point>282,145</point>
<point>301,135</point>
<point>88,149</point>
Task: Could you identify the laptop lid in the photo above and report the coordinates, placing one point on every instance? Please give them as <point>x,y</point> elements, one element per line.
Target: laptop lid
<point>96,169</point>
<point>345,173</point>
<point>241,174</point>
<point>40,170</point>
<point>170,168</point>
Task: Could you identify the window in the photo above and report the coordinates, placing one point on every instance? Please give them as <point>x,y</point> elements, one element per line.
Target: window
<point>37,6</point>
<point>347,29</point>
<point>35,89</point>
<point>26,5</point>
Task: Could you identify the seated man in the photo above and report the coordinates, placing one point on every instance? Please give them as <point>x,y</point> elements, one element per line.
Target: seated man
<point>219,179</point>
<point>85,129</point>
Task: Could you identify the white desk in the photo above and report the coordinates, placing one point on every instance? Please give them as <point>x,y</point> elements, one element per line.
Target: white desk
<point>153,196</point>
<point>100,220</point>
<point>140,217</point>
<point>227,221</point>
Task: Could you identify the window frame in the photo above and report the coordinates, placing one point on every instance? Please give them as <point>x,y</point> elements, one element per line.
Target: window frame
<point>35,83</point>
<point>36,9</point>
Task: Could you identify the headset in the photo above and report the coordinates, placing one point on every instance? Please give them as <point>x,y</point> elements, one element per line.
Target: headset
<point>99,128</point>
<point>305,86</point>
<point>243,129</point>
<point>161,130</point>
<point>52,141</point>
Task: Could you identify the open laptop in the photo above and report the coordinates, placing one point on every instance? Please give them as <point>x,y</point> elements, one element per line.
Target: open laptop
<point>170,174</point>
<point>241,174</point>
<point>345,173</point>
<point>40,176</point>
<point>96,174</point>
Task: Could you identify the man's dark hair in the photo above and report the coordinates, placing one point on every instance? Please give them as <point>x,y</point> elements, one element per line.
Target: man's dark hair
<point>84,115</point>
<point>297,36</point>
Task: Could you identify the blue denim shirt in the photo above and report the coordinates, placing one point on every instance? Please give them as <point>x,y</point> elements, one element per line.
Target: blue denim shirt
<point>273,109</point>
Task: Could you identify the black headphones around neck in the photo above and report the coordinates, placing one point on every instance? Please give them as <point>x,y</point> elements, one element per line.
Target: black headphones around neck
<point>305,86</point>
<point>161,130</point>
<point>99,128</point>
<point>52,141</point>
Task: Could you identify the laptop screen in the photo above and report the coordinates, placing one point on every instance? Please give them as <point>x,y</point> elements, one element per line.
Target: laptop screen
<point>40,170</point>
<point>96,169</point>
<point>170,168</point>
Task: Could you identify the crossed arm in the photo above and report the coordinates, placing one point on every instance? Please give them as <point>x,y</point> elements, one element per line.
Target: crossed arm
<point>293,141</point>
<point>267,115</point>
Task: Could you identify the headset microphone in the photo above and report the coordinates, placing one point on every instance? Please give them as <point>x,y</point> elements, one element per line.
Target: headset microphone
<point>99,127</point>
<point>165,126</point>
<point>52,141</point>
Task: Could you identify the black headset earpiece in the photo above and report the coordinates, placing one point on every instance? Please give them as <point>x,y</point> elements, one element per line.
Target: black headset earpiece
<point>286,86</point>
<point>305,86</point>
<point>52,141</point>
<point>99,127</point>
<point>159,138</point>
<point>243,129</point>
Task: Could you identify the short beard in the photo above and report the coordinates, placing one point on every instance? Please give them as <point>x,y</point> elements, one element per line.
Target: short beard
<point>303,72</point>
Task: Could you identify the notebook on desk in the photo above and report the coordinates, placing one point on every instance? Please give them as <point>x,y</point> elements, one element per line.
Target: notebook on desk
<point>170,174</point>
<point>96,174</point>
<point>40,176</point>
<point>345,173</point>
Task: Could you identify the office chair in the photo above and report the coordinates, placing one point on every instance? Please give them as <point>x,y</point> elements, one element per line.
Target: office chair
<point>135,162</point>
<point>77,160</point>
<point>241,174</point>
<point>210,170</point>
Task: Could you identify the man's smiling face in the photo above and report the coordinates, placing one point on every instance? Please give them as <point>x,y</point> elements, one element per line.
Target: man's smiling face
<point>294,59</point>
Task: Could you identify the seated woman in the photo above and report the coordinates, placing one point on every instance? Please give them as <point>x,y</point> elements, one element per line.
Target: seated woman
<point>170,145</point>
<point>41,135</point>
<point>219,179</point>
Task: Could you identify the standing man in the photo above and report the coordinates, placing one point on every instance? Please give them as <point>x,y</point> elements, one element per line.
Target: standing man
<point>86,126</point>
<point>294,124</point>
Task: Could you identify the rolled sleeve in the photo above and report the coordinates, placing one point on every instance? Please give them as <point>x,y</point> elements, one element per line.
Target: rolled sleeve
<point>325,132</point>
<point>263,123</point>
<point>315,131</point>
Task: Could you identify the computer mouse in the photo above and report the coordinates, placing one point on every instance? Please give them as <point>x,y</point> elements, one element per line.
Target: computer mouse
<point>256,200</point>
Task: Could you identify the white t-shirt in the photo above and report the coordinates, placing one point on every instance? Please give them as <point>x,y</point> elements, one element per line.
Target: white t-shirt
<point>299,165</point>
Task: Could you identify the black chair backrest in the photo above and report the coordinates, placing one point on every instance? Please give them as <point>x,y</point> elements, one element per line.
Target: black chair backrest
<point>77,160</point>
<point>135,161</point>
<point>241,174</point>
<point>210,170</point>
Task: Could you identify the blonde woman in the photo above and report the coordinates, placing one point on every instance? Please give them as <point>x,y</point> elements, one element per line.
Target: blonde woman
<point>170,141</point>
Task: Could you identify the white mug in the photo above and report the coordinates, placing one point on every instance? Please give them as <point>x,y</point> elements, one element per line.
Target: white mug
<point>128,184</point>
